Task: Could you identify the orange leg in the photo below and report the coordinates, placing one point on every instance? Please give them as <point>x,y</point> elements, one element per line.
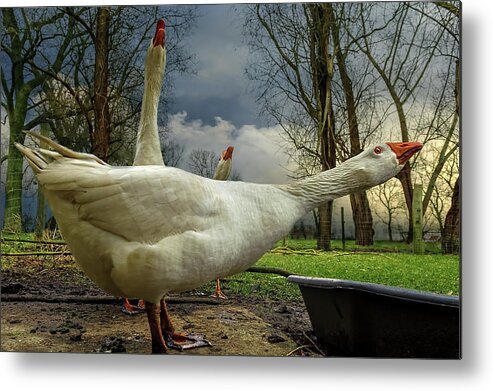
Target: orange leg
<point>153,316</point>
<point>218,292</point>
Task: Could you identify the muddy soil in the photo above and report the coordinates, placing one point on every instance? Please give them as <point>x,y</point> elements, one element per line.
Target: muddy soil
<point>237,326</point>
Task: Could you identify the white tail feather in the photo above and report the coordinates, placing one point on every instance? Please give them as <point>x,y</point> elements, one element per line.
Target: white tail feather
<point>39,158</point>
<point>34,158</point>
<point>64,151</point>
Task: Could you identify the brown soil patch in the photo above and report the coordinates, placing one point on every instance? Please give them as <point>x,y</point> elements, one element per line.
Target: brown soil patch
<point>250,326</point>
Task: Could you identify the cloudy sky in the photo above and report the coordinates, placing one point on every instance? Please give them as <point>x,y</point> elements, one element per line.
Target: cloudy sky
<point>213,109</point>
<point>258,156</point>
<point>219,88</point>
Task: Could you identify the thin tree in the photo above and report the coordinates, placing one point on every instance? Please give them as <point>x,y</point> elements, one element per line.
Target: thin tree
<point>408,45</point>
<point>387,201</point>
<point>101,135</point>
<point>235,176</point>
<point>41,84</point>
<point>446,16</point>
<point>109,100</point>
<point>27,33</point>
<point>203,162</point>
<point>451,231</point>
<point>294,75</point>
<point>443,184</point>
<point>362,217</point>
<point>41,205</point>
<point>172,153</point>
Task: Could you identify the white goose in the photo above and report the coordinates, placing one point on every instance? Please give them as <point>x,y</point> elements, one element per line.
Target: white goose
<point>223,170</point>
<point>148,230</point>
<point>148,147</point>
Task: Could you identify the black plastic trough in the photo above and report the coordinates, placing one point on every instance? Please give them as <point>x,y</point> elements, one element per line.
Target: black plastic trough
<point>356,319</point>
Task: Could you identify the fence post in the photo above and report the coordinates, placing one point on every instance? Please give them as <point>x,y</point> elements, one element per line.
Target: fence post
<point>418,245</point>
<point>342,230</point>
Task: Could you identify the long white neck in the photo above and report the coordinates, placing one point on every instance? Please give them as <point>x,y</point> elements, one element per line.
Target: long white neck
<point>347,178</point>
<point>148,151</point>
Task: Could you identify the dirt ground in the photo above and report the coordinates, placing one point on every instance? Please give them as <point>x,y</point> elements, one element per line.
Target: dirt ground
<point>237,326</point>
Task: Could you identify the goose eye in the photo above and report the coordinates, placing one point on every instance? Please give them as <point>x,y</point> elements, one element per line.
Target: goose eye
<point>378,150</point>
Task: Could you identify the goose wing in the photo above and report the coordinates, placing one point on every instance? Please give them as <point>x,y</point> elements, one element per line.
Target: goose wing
<point>144,204</point>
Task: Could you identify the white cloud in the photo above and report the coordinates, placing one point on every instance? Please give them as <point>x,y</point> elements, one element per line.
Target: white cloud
<point>258,155</point>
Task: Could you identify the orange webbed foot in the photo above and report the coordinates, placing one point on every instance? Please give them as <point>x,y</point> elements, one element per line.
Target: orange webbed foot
<point>130,309</point>
<point>218,293</point>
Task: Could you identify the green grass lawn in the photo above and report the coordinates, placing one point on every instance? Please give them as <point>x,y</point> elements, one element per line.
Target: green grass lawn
<point>378,264</point>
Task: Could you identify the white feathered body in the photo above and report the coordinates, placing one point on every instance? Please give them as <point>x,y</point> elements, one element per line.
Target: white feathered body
<point>146,231</point>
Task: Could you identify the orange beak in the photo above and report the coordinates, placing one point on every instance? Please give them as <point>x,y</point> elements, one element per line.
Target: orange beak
<point>404,151</point>
<point>159,35</point>
<point>228,153</point>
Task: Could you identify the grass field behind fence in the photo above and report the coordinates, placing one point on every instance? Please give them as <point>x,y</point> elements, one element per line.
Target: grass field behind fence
<point>389,263</point>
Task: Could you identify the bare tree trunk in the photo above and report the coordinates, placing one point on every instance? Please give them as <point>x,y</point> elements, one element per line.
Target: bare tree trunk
<point>324,226</point>
<point>451,231</point>
<point>418,244</point>
<point>445,152</point>
<point>317,222</point>
<point>13,187</point>
<point>101,136</point>
<point>325,210</point>
<point>363,221</point>
<point>328,153</point>
<point>362,217</point>
<point>393,79</point>
<point>40,214</point>
<point>41,208</point>
<point>322,71</point>
<point>17,107</point>
<point>404,177</point>
<point>389,228</point>
<point>20,45</point>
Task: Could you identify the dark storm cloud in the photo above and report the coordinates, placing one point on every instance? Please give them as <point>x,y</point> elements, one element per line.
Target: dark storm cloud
<point>219,88</point>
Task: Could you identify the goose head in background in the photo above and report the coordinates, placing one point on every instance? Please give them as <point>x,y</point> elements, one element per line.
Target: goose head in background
<point>223,168</point>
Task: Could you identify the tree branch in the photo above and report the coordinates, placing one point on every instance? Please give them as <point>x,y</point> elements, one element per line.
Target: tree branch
<point>448,6</point>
